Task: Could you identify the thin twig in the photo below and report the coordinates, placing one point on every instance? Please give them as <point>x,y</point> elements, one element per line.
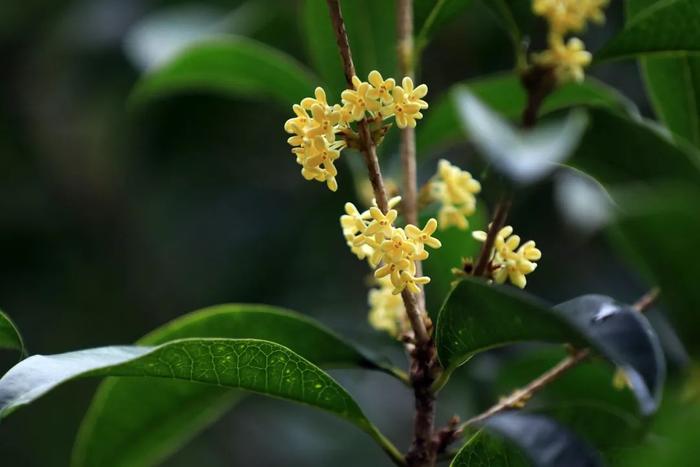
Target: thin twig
<point>369,150</point>
<point>521,396</point>
<point>499,220</point>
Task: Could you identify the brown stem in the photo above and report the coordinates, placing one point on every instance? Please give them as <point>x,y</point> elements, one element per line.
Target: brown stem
<point>499,220</point>
<point>370,154</point>
<point>369,150</point>
<point>521,396</point>
<point>423,449</point>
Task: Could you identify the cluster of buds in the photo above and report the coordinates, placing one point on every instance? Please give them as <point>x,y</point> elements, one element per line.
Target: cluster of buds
<point>455,189</point>
<point>386,310</point>
<point>509,259</point>
<point>393,251</point>
<point>567,58</point>
<point>320,131</point>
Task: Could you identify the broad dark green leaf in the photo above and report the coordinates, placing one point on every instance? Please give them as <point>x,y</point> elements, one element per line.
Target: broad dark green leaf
<point>138,421</point>
<point>371,29</point>
<point>639,152</point>
<point>528,440</point>
<point>232,66</point>
<point>673,439</point>
<point>251,364</point>
<point>516,18</point>
<point>504,94</point>
<point>581,399</point>
<point>431,15</point>
<point>524,156</point>
<point>10,338</point>
<point>664,27</point>
<point>626,338</point>
<point>478,316</point>
<point>658,226</point>
<point>673,84</point>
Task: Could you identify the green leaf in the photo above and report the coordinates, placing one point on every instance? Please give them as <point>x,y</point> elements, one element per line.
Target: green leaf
<point>10,338</point>
<point>673,85</point>
<point>231,66</point>
<point>515,17</point>
<point>371,30</point>
<point>639,152</point>
<point>477,317</point>
<point>254,365</point>
<point>431,15</point>
<point>580,398</point>
<point>169,412</point>
<point>525,440</point>
<point>673,441</point>
<point>664,27</point>
<point>658,227</point>
<point>504,94</point>
<point>524,156</point>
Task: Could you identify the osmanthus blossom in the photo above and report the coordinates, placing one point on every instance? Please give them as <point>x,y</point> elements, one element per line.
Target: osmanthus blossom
<point>567,58</point>
<point>377,98</point>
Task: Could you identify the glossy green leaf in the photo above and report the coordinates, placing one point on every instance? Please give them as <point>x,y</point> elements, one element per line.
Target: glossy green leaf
<point>583,398</point>
<point>169,412</point>
<point>639,152</point>
<point>516,18</point>
<point>477,317</point>
<point>658,226</point>
<point>525,440</point>
<point>254,365</point>
<point>664,27</point>
<point>231,66</point>
<point>431,15</point>
<point>673,441</point>
<point>504,94</point>
<point>371,32</point>
<point>673,85</point>
<point>10,338</point>
<point>524,156</point>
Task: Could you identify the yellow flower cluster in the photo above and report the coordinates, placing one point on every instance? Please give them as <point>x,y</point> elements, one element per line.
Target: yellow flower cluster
<point>454,188</point>
<point>510,259</point>
<point>387,312</point>
<point>568,58</point>
<point>316,125</point>
<point>371,235</point>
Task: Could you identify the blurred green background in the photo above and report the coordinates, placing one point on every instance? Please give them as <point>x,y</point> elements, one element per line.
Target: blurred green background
<point>115,219</point>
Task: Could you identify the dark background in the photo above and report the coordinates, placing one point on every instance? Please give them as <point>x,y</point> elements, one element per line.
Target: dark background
<point>114,221</point>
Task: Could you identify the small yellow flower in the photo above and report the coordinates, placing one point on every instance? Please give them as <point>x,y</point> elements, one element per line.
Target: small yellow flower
<point>314,117</point>
<point>398,246</point>
<point>570,15</point>
<point>387,312</point>
<point>359,100</point>
<point>455,189</point>
<point>568,60</point>
<point>412,283</point>
<point>371,235</point>
<point>415,95</point>
<point>320,99</point>
<point>424,237</point>
<point>508,262</point>
<point>403,110</point>
<point>381,88</point>
<point>381,224</point>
